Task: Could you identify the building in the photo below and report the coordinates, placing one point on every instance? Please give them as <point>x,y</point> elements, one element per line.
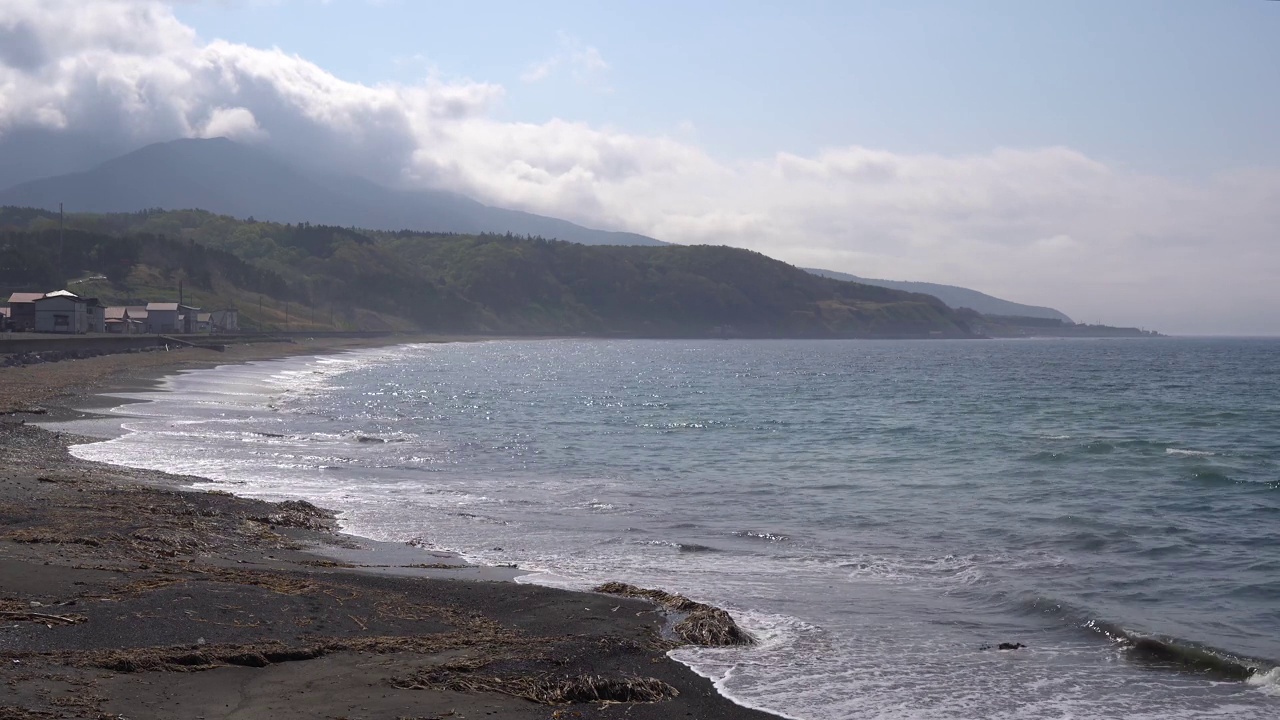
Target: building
<point>22,310</point>
<point>204,322</point>
<point>97,315</point>
<point>117,320</point>
<point>65,312</point>
<point>188,318</point>
<point>162,318</point>
<point>138,313</point>
<point>122,320</point>
<point>226,321</point>
<point>171,318</point>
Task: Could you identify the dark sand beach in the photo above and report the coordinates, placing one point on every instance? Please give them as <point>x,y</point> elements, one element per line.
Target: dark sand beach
<point>125,595</point>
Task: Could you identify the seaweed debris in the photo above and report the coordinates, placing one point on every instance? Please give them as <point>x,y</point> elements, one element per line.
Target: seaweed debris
<point>702,624</point>
<point>546,689</point>
<point>208,657</point>
<point>298,514</point>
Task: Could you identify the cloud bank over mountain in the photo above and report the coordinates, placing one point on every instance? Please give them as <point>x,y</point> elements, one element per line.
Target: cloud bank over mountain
<point>1044,225</point>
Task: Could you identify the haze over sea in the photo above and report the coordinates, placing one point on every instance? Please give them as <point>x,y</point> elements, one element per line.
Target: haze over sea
<point>874,512</point>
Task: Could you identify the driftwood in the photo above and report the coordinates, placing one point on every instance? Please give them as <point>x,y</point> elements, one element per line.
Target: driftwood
<point>23,615</point>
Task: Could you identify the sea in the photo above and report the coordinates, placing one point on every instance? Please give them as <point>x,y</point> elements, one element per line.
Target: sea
<point>880,515</point>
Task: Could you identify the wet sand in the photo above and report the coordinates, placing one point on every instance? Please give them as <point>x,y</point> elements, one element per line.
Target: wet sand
<point>55,383</point>
<point>125,595</point>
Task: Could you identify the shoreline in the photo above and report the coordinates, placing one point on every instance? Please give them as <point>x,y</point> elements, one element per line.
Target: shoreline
<point>110,575</point>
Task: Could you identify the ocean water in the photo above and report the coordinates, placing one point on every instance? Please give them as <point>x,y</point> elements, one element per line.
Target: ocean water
<point>875,513</point>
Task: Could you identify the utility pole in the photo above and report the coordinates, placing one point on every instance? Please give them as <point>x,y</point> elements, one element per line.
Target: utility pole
<point>61,224</point>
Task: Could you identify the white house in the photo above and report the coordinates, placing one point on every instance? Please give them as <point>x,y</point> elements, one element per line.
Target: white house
<point>65,312</point>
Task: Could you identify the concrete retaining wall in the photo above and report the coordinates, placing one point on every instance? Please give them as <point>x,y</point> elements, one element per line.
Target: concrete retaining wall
<point>21,343</point>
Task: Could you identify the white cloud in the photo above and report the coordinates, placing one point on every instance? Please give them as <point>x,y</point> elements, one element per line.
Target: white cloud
<point>235,123</point>
<point>585,64</point>
<point>1042,225</point>
<point>540,70</point>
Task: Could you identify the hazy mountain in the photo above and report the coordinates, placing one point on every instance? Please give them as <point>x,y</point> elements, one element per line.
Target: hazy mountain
<point>226,177</point>
<point>31,153</point>
<point>955,297</point>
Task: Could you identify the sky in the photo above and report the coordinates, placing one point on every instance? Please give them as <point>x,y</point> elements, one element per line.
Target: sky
<point>1116,160</point>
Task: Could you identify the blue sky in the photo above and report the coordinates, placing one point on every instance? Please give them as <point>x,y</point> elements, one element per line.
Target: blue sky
<point>1170,86</point>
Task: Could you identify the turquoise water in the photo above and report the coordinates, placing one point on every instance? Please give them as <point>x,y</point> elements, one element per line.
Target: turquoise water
<point>875,512</point>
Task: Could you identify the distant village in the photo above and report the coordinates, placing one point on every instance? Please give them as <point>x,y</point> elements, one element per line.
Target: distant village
<point>62,311</point>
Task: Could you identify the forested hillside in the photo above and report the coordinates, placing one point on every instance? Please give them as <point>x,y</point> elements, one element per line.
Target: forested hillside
<point>463,283</point>
<point>955,297</point>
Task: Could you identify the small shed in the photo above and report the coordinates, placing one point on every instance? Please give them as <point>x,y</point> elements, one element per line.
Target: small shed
<point>22,310</point>
<point>167,318</point>
<point>121,320</point>
<point>162,318</point>
<point>138,313</point>
<point>226,321</point>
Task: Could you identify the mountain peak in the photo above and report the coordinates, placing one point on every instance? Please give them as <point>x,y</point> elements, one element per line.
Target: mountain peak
<point>231,178</point>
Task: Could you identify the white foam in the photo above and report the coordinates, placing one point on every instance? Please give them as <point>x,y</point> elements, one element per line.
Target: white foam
<point>1268,681</point>
<point>1188,453</point>
<point>720,680</point>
